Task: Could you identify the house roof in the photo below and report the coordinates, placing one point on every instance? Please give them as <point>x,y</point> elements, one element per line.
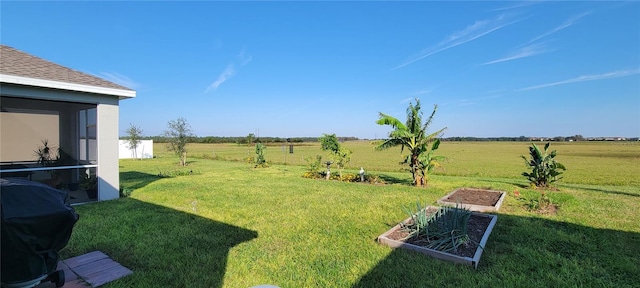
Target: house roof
<point>21,68</point>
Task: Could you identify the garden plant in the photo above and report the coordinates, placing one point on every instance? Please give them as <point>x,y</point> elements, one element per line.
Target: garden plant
<point>544,167</point>
<point>413,136</point>
<point>340,154</point>
<point>444,229</point>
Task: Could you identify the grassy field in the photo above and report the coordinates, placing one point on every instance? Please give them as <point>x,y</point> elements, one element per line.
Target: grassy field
<point>229,225</point>
<point>597,163</point>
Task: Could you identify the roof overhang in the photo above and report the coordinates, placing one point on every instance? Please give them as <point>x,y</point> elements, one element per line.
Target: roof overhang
<point>121,93</point>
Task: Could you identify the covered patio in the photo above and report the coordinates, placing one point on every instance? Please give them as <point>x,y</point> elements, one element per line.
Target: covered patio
<point>59,126</point>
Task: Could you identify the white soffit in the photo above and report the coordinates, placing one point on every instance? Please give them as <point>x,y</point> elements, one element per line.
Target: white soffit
<point>12,79</point>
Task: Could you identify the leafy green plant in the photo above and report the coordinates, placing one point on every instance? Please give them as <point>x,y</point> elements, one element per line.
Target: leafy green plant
<point>45,154</point>
<point>429,161</point>
<point>444,229</point>
<point>314,164</point>
<point>88,182</point>
<point>413,136</point>
<point>125,192</point>
<point>544,167</point>
<point>336,151</point>
<point>260,161</point>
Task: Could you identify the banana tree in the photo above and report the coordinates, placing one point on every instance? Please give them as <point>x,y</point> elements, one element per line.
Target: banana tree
<point>544,167</point>
<point>429,161</point>
<point>412,135</point>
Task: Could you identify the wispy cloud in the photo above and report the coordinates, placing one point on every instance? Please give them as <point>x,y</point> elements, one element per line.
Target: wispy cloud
<point>570,22</point>
<point>243,57</point>
<point>119,79</point>
<point>523,52</point>
<point>468,34</point>
<point>224,76</point>
<point>584,78</point>
<point>422,92</point>
<point>515,6</point>
<point>230,70</point>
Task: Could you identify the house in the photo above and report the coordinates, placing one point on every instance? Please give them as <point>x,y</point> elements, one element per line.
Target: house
<point>59,126</point>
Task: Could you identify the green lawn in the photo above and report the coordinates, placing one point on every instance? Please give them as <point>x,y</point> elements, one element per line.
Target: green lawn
<point>233,226</point>
<point>598,163</point>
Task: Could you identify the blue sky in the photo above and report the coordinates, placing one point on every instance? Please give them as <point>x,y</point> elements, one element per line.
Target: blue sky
<point>290,69</point>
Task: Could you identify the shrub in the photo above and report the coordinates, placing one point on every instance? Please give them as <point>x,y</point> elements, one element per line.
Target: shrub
<point>544,167</point>
<point>125,192</point>
<point>313,164</point>
<point>260,161</point>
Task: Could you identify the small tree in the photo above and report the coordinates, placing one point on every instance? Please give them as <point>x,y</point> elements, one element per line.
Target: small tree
<point>260,161</point>
<point>178,134</point>
<point>341,155</point>
<point>134,135</point>
<point>250,139</point>
<point>412,135</point>
<point>329,143</point>
<point>544,167</point>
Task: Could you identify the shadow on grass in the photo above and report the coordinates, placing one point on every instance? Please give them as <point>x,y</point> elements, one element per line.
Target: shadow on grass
<point>160,245</point>
<point>395,180</point>
<point>609,191</point>
<point>524,252</point>
<point>135,179</point>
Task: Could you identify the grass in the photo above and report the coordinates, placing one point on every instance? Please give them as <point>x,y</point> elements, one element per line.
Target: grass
<point>228,225</point>
<point>597,163</point>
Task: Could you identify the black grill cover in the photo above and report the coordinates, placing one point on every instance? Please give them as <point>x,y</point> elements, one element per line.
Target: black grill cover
<point>36,224</point>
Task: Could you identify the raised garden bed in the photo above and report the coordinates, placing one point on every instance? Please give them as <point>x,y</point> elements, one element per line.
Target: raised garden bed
<point>479,228</point>
<point>474,199</point>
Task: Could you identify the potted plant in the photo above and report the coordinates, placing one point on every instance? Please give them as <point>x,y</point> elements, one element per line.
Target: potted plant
<point>89,183</point>
<point>46,157</point>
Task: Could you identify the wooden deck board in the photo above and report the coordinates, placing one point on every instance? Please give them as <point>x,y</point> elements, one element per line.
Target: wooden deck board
<point>95,267</point>
<point>84,259</point>
<point>108,275</point>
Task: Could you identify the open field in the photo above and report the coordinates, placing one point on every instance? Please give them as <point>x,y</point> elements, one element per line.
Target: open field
<point>596,163</point>
<point>229,225</point>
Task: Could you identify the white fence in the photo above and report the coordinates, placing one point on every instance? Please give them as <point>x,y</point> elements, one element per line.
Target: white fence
<point>144,149</point>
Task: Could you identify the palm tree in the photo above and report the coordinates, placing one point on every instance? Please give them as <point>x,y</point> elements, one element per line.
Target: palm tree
<point>413,136</point>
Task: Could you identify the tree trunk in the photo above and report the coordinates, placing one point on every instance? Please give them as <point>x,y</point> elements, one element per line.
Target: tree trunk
<point>414,170</point>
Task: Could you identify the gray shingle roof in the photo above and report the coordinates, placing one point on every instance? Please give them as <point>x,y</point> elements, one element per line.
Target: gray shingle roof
<point>18,63</point>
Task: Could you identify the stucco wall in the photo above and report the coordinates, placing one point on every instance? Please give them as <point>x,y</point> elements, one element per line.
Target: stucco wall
<point>108,169</point>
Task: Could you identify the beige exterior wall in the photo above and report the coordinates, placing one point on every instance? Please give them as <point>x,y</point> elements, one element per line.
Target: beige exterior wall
<point>108,149</point>
<point>22,133</point>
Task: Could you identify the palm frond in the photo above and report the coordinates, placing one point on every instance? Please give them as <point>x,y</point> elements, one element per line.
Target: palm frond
<point>391,121</point>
